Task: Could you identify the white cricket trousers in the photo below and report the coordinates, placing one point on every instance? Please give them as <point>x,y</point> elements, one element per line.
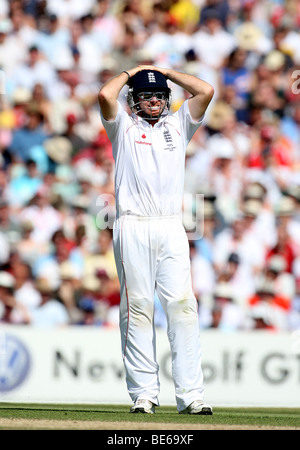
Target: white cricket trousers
<point>153,253</point>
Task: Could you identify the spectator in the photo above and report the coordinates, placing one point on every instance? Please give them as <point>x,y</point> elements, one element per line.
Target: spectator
<point>198,161</point>
<point>51,312</point>
<point>80,250</point>
<point>125,54</point>
<point>70,133</point>
<point>272,154</point>
<point>235,239</point>
<point>260,218</point>
<point>222,120</point>
<point>279,35</point>
<point>203,276</point>
<point>5,248</point>
<point>285,14</point>
<point>283,281</point>
<point>90,290</point>
<point>49,265</point>
<point>69,10</point>
<point>90,50</point>
<point>100,265</point>
<point>276,307</point>
<point>203,282</point>
<point>239,280</point>
<point>40,97</point>
<point>20,99</point>
<point>237,75</point>
<point>81,215</point>
<point>212,43</point>
<point>35,70</point>
<point>26,295</point>
<point>224,175</point>
<point>294,316</point>
<point>7,300</point>
<point>28,248</point>
<point>53,36</point>
<point>24,27</point>
<point>226,315</point>
<point>250,37</point>
<point>66,78</point>
<point>28,136</point>
<point>58,150</point>
<point>9,225</point>
<point>210,228</point>
<point>11,53</point>
<point>69,290</point>
<point>23,188</point>
<point>285,246</point>
<point>107,25</point>
<point>261,318</point>
<point>90,162</point>
<point>88,309</point>
<point>219,7</point>
<point>43,216</point>
<point>290,127</point>
<point>168,43</point>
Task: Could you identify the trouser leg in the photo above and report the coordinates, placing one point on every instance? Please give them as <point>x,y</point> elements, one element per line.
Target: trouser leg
<point>174,289</point>
<point>135,257</point>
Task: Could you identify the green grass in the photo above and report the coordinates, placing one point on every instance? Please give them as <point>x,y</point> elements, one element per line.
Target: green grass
<point>261,417</point>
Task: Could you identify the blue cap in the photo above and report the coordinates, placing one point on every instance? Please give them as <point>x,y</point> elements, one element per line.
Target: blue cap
<point>149,80</point>
<point>87,304</point>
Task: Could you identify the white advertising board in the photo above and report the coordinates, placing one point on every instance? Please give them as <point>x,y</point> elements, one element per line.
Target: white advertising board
<point>84,365</point>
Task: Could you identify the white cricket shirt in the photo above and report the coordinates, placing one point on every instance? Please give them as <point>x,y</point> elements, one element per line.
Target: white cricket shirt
<point>150,161</point>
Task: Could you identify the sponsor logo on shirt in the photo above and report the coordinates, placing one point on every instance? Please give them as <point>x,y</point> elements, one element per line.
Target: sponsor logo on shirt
<point>143,142</point>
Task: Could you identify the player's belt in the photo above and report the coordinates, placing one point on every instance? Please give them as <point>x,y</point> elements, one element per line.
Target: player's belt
<point>130,214</point>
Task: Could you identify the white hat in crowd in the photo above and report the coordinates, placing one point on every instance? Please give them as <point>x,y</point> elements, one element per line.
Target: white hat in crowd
<point>6,280</point>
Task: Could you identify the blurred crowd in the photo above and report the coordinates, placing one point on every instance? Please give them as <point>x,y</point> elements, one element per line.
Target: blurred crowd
<point>242,192</point>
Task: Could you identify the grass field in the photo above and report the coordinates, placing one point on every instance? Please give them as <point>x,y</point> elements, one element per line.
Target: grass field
<point>117,417</point>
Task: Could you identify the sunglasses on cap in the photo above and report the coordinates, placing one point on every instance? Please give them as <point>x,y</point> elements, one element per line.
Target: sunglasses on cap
<point>150,95</point>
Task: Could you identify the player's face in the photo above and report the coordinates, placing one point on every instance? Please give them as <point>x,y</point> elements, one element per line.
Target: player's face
<point>152,103</point>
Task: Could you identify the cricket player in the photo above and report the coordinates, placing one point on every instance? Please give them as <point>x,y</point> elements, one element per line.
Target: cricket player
<point>150,244</point>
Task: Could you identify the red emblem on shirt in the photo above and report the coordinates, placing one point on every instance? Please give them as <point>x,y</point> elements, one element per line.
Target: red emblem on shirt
<point>144,136</point>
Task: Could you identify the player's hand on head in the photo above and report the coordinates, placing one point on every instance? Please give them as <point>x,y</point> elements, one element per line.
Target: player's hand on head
<point>158,69</point>
<point>146,67</point>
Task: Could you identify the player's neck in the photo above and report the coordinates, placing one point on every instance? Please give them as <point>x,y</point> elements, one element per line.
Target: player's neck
<point>152,122</point>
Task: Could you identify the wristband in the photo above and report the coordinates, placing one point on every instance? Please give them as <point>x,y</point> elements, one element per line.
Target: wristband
<point>125,71</point>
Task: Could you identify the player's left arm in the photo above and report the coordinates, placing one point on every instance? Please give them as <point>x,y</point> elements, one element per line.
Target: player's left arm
<point>201,91</point>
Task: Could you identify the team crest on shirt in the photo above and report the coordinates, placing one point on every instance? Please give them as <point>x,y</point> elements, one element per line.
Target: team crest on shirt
<point>169,141</point>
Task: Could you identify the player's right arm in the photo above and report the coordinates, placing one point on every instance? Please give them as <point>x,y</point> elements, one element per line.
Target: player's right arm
<point>109,93</point>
